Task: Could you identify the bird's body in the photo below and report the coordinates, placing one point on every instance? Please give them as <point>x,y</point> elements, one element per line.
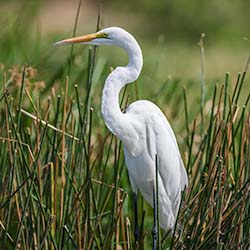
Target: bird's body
<point>143,129</point>
<point>156,138</point>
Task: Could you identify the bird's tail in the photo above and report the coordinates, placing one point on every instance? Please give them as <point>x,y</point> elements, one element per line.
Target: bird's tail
<point>168,215</point>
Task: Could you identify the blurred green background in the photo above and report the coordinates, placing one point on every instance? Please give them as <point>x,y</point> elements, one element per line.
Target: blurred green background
<point>168,32</point>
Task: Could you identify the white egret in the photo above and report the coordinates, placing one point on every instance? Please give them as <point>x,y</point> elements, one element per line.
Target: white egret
<point>143,130</point>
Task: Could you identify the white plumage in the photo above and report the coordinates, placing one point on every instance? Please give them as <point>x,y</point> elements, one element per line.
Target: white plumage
<point>143,129</point>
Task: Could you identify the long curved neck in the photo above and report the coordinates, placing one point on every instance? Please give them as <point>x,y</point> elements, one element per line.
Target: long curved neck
<point>111,112</point>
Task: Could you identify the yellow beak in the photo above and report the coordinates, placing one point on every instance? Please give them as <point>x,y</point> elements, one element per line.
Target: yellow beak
<point>79,39</point>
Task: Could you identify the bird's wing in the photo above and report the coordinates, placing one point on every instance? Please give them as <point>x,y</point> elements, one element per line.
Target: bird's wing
<point>160,140</point>
<point>171,167</point>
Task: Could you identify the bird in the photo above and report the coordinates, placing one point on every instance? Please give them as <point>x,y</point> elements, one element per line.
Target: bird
<point>143,129</point>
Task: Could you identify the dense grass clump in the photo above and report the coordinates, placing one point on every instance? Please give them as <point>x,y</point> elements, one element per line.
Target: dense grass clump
<point>64,184</point>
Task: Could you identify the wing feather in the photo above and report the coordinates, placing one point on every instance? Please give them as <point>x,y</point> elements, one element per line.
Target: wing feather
<point>160,139</point>
<point>154,136</point>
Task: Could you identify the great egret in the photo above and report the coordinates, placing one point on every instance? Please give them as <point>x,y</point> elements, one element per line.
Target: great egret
<point>143,129</point>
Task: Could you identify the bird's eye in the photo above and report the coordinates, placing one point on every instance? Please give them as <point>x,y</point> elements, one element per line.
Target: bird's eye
<point>102,35</point>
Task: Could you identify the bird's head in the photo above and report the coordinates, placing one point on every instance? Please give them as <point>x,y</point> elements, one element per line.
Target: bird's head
<point>117,37</point>
<point>109,36</point>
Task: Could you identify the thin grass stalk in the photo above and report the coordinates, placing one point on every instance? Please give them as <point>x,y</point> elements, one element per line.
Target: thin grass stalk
<point>20,99</point>
<point>63,177</point>
<point>79,231</point>
<point>98,23</point>
<point>234,149</point>
<point>231,122</point>
<point>54,182</point>
<point>191,147</point>
<point>240,162</point>
<point>53,199</point>
<point>91,57</point>
<point>157,205</point>
<point>247,100</point>
<point>225,95</point>
<point>219,202</point>
<point>91,66</point>
<point>32,103</point>
<point>242,80</point>
<point>5,92</point>
<point>123,233</point>
<point>78,105</point>
<point>11,175</point>
<point>201,44</point>
<point>236,87</point>
<point>116,182</point>
<point>120,210</point>
<point>88,177</point>
<point>238,125</point>
<point>246,227</point>
<point>209,132</point>
<point>117,231</point>
<point>218,113</point>
<point>8,235</point>
<point>128,234</point>
<point>44,123</point>
<point>186,115</point>
<point>74,34</point>
<point>141,242</point>
<point>38,172</point>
